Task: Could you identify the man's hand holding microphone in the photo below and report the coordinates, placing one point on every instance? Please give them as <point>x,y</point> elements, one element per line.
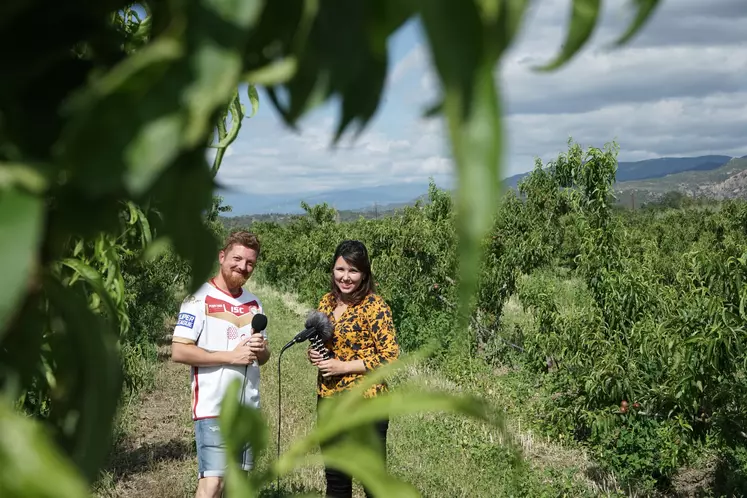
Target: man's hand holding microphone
<point>254,348</point>
<point>248,350</point>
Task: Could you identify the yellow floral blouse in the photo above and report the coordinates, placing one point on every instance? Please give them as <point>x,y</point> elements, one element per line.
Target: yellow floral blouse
<point>364,332</point>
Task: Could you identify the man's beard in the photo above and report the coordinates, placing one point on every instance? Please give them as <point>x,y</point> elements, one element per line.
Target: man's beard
<point>233,280</point>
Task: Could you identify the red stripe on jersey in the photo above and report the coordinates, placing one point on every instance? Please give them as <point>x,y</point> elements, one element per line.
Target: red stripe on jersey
<point>195,395</point>
<point>215,305</point>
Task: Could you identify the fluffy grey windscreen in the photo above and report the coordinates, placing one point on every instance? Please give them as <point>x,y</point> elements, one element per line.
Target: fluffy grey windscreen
<point>318,321</point>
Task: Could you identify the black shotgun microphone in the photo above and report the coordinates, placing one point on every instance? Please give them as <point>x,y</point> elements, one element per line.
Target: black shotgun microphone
<point>318,330</point>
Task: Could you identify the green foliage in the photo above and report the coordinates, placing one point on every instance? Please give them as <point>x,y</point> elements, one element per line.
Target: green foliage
<point>112,157</point>
<point>345,426</point>
<point>644,308</point>
<point>649,362</point>
<point>26,453</point>
<point>20,218</point>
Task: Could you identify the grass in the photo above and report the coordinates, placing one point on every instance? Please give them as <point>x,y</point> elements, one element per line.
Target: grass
<point>442,456</point>
<point>154,453</point>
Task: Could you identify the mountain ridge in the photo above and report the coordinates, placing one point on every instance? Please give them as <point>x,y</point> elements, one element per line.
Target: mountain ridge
<point>387,197</point>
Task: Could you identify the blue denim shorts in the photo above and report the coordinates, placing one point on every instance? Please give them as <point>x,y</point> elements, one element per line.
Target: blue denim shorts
<point>211,450</point>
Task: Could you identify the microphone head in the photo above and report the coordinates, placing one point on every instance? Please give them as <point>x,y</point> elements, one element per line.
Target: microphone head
<point>320,323</point>
<point>259,322</point>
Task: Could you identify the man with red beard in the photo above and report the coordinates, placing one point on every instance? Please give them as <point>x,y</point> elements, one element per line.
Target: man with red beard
<point>213,335</point>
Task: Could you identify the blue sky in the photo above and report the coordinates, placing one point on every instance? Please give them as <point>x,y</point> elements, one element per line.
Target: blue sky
<point>678,90</point>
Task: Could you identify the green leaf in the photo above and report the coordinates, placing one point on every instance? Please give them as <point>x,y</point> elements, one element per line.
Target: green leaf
<point>273,74</point>
<point>351,410</point>
<point>177,92</point>
<point>34,178</point>
<point>245,426</point>
<point>146,141</point>
<point>355,393</point>
<point>30,464</point>
<point>583,21</point>
<point>503,18</point>
<point>220,26</point>
<point>253,99</point>
<point>454,33</point>
<point>472,110</point>
<point>93,278</point>
<point>21,217</point>
<point>184,193</point>
<point>146,233</point>
<point>362,93</point>
<point>21,347</point>
<point>134,213</point>
<point>344,56</point>
<point>362,96</point>
<point>434,110</point>
<point>333,421</point>
<point>349,414</point>
<point>645,9</point>
<point>357,457</point>
<point>86,350</point>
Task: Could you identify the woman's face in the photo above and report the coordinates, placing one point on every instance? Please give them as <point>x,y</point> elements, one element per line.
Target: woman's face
<point>347,277</point>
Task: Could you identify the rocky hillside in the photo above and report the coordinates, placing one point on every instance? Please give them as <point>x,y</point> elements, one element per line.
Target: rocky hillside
<point>726,182</point>
<point>733,187</point>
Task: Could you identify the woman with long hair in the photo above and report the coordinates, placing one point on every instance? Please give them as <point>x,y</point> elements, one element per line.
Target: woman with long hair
<point>364,338</point>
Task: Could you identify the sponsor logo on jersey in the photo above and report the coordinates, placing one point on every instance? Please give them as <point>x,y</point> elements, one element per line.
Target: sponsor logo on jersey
<point>185,320</point>
<point>218,306</point>
<point>238,315</point>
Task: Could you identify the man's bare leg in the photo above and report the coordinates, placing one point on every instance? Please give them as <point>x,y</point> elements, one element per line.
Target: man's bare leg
<point>209,487</point>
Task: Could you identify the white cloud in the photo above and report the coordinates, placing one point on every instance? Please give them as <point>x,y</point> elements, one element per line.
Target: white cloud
<point>308,164</point>
<point>673,91</point>
<point>678,89</point>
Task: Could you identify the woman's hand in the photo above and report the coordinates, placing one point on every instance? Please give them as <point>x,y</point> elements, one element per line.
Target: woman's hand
<point>327,367</point>
<point>314,356</point>
<point>332,367</point>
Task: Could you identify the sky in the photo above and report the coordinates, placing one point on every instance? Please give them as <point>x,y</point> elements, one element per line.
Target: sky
<point>679,89</point>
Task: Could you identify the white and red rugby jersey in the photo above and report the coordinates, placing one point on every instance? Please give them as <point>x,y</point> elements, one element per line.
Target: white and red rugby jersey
<point>217,321</point>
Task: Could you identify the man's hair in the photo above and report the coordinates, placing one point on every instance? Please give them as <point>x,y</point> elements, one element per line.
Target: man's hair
<point>242,238</point>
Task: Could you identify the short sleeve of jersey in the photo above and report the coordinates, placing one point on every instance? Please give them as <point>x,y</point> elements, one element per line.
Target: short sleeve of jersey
<point>190,321</point>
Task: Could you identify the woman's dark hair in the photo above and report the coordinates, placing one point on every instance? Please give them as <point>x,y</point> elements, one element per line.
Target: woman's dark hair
<point>356,255</point>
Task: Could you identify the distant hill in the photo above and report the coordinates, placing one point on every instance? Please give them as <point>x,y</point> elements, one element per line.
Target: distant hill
<point>641,181</point>
<point>725,182</point>
<point>367,198</point>
<point>651,168</point>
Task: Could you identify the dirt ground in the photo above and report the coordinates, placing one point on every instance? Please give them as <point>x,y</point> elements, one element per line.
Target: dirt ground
<point>157,456</point>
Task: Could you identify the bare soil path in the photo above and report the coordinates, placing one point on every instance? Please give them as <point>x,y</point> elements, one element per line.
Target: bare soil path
<point>156,457</point>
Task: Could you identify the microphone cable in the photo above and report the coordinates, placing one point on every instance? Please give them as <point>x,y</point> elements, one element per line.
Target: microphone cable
<point>317,330</point>
<point>277,477</point>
